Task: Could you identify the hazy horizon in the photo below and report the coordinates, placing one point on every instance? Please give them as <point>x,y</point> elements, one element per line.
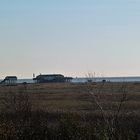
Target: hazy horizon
<point>69,37</point>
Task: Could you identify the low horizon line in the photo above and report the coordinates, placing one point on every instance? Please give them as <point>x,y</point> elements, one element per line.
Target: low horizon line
<point>90,77</point>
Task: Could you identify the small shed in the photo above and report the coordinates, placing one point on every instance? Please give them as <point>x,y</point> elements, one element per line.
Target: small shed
<point>10,80</point>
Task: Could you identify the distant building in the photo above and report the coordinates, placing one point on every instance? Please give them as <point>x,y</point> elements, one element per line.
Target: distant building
<point>52,78</point>
<point>9,80</point>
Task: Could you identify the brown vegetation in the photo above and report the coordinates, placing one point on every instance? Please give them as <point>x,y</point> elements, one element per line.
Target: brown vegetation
<point>75,97</point>
<point>70,111</point>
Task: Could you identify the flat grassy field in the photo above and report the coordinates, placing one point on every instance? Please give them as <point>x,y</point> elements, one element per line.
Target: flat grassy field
<point>78,97</point>
<point>66,111</point>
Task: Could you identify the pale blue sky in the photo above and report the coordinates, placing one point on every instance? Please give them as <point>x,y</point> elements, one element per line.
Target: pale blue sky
<point>72,37</point>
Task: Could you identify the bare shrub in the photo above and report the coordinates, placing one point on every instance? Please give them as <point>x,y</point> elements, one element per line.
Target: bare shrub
<point>110,119</point>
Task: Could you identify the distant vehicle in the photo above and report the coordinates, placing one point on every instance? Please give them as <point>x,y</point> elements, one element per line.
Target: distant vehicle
<point>103,80</point>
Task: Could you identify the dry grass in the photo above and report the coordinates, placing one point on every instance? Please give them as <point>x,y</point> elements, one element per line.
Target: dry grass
<point>74,97</point>
<point>70,111</point>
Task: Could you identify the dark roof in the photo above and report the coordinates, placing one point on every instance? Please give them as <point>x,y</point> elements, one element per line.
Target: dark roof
<point>48,75</point>
<point>51,75</point>
<point>11,77</point>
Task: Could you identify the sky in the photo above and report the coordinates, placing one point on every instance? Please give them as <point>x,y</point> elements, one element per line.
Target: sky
<point>71,37</point>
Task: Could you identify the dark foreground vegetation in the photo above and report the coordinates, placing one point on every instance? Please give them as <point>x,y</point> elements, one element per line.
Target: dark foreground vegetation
<point>104,111</point>
<point>64,126</point>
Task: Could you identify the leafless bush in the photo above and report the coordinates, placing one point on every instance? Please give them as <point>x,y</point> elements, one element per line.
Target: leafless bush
<point>110,120</point>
